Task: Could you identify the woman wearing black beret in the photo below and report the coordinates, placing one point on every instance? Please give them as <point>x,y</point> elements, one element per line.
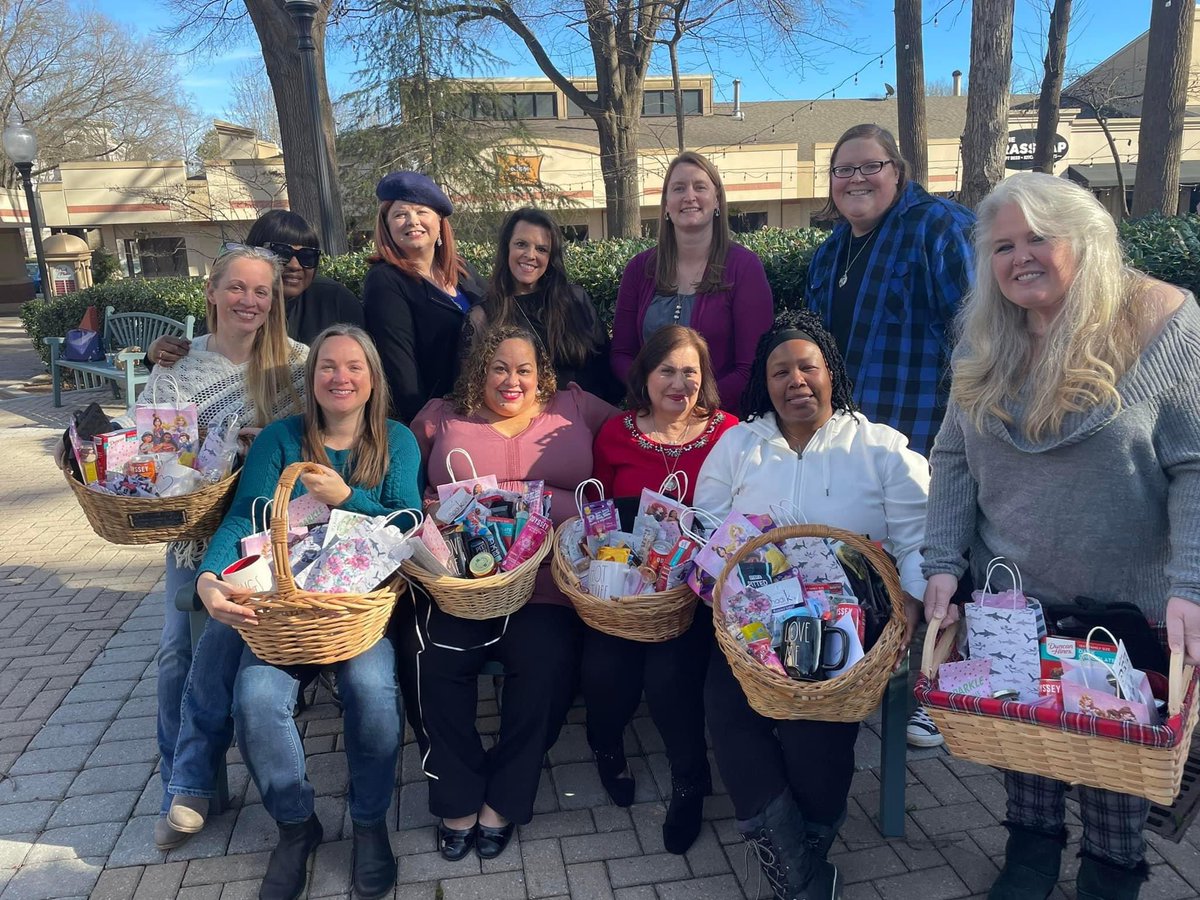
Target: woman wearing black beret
<point>418,291</point>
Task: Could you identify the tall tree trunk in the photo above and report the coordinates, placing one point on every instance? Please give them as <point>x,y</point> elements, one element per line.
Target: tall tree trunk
<point>1123,207</point>
<point>619,168</point>
<point>1160,136</point>
<point>277,35</point>
<point>673,46</point>
<point>1050,97</point>
<point>986,135</point>
<point>910,89</point>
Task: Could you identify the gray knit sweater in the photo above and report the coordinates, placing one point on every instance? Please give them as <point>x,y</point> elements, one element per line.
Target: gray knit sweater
<point>1108,509</point>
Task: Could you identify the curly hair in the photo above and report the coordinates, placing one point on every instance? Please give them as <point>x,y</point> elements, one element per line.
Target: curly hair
<point>756,401</point>
<point>469,389</point>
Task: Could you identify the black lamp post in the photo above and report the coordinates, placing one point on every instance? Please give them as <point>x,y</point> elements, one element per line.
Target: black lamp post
<point>303,12</point>
<point>20,143</point>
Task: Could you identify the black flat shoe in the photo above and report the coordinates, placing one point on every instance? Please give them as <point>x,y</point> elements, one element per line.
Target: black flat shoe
<point>490,842</point>
<point>614,775</point>
<point>372,863</point>
<point>455,843</point>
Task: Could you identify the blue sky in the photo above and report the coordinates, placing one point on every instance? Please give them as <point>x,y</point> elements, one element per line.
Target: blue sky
<point>836,57</point>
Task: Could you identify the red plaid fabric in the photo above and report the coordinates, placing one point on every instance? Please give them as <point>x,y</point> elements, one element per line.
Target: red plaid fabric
<point>1159,736</point>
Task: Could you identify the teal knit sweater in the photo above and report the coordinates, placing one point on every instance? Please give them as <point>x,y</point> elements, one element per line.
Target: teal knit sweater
<point>277,447</point>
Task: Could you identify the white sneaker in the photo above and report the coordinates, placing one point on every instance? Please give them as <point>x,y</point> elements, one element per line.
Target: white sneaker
<point>921,731</point>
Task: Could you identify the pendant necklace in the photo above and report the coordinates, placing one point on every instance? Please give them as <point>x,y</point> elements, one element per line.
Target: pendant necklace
<point>850,262</point>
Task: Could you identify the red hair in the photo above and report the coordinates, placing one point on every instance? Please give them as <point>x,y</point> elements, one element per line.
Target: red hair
<point>446,262</point>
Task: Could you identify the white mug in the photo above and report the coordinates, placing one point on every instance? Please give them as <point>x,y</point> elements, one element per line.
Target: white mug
<point>253,572</point>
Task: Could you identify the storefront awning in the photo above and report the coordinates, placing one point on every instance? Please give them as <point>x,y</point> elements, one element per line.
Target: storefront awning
<point>1104,175</point>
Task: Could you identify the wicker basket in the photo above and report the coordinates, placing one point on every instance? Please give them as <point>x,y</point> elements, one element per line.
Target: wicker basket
<point>152,520</point>
<point>647,618</point>
<point>1059,744</point>
<point>496,595</point>
<point>296,627</point>
<point>850,697</point>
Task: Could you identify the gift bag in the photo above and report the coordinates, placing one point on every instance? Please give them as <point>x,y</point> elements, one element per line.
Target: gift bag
<point>259,543</point>
<point>599,517</point>
<point>1116,690</point>
<point>1006,627</point>
<point>660,504</point>
<point>363,560</point>
<point>83,343</point>
<point>169,424</point>
<point>475,484</point>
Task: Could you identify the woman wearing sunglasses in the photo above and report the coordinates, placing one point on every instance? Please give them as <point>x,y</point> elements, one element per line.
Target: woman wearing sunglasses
<point>312,302</point>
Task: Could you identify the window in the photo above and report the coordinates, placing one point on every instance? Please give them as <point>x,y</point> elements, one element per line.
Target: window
<point>662,103</point>
<point>743,222</point>
<point>162,256</point>
<point>576,234</point>
<point>514,106</point>
<point>573,110</point>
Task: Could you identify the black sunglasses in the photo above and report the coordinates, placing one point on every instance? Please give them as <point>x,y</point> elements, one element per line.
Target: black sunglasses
<point>308,257</point>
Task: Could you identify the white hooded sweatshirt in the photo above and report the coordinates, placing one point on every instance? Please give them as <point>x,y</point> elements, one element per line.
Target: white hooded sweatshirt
<point>854,474</point>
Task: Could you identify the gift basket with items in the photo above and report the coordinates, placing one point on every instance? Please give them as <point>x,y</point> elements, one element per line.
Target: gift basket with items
<point>478,554</point>
<point>631,584</point>
<point>1069,707</point>
<point>161,479</point>
<point>324,581</point>
<point>810,617</point>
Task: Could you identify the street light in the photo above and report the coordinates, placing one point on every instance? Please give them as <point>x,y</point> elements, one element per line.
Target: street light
<point>303,12</point>
<point>20,143</point>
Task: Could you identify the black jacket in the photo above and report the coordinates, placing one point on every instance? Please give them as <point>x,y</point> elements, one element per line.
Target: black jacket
<point>325,303</point>
<point>418,332</point>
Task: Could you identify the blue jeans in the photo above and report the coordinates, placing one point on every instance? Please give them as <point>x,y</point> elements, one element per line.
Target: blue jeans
<point>174,659</point>
<point>263,699</point>
<point>206,723</point>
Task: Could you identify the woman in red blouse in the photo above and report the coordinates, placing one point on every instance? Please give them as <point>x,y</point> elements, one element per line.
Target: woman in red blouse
<point>672,425</point>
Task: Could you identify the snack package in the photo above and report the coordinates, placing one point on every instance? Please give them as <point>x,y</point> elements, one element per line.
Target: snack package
<point>765,654</point>
<point>1053,650</point>
<point>114,449</point>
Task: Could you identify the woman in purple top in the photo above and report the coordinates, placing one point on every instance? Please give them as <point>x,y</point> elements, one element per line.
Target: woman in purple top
<point>696,276</point>
<point>507,414</point>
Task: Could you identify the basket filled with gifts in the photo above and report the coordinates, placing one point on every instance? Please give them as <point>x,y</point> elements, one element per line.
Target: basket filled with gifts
<point>324,581</point>
<point>810,617</point>
<point>633,584</point>
<point>1007,690</point>
<point>160,479</point>
<point>478,553</point>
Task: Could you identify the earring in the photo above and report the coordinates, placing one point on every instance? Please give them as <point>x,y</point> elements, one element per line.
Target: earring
<point>667,216</point>
<point>438,242</point>
<point>717,212</point>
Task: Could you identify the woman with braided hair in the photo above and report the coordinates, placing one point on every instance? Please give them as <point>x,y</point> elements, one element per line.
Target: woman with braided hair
<point>803,443</point>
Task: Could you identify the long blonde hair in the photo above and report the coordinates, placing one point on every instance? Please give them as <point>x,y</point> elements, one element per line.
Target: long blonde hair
<point>1092,341</point>
<point>370,454</point>
<point>269,375</point>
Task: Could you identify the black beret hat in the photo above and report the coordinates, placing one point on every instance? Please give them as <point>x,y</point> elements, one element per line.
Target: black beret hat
<point>413,187</point>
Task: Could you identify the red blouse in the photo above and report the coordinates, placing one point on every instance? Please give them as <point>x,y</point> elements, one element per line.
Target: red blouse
<point>625,460</point>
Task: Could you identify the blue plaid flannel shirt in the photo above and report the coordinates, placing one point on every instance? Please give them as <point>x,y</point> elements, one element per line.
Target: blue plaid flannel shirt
<point>919,270</point>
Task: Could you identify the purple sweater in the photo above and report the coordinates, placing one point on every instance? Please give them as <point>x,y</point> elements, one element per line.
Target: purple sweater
<point>731,321</point>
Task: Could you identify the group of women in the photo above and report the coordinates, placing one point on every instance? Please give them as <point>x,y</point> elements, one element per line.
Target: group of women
<point>1070,371</point>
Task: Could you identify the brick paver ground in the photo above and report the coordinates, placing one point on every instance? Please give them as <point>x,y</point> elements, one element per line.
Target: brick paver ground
<point>79,622</point>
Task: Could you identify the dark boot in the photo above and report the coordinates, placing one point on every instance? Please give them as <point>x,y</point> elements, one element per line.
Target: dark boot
<point>793,870</point>
<point>1031,864</point>
<point>287,869</point>
<point>1101,880</point>
<point>614,775</point>
<point>372,862</point>
<point>682,825</point>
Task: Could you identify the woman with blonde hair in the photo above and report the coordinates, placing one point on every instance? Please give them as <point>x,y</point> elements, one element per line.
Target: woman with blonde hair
<point>696,276</point>
<point>1074,425</point>
<point>247,372</point>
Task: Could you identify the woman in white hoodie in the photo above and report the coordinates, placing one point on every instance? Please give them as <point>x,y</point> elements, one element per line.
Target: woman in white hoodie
<point>803,443</point>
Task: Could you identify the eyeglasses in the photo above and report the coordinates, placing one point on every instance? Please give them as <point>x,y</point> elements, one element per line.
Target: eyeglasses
<point>308,257</point>
<point>874,167</point>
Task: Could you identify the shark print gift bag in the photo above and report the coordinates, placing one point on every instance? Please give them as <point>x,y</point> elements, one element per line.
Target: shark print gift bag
<point>1005,627</point>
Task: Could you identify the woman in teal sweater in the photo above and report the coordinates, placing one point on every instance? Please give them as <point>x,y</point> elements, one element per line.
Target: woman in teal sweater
<point>372,466</point>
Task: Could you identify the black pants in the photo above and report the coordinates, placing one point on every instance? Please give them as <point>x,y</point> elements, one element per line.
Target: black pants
<point>539,650</point>
<point>760,758</point>
<point>614,673</point>
<point>403,632</point>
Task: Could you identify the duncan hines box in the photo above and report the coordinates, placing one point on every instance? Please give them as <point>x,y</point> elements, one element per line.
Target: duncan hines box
<point>1055,649</point>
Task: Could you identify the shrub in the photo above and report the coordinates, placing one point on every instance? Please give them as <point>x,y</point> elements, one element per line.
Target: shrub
<point>105,266</point>
<point>1167,248</point>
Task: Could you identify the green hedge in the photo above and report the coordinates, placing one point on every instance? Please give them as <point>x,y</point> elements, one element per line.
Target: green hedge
<point>1167,248</point>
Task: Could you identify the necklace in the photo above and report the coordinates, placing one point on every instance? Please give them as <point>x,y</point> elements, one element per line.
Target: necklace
<point>850,262</point>
<point>656,437</point>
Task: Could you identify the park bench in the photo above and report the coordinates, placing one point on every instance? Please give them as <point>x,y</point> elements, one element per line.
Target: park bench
<point>892,754</point>
<point>121,330</point>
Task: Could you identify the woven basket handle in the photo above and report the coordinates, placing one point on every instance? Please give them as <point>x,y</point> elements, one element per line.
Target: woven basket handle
<point>937,651</point>
<point>280,525</point>
<point>1177,683</point>
<point>876,557</point>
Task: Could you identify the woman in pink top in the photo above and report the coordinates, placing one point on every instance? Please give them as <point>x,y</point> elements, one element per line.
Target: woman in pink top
<point>507,413</point>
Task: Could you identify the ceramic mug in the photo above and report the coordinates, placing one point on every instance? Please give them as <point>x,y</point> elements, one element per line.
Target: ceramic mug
<point>253,572</point>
